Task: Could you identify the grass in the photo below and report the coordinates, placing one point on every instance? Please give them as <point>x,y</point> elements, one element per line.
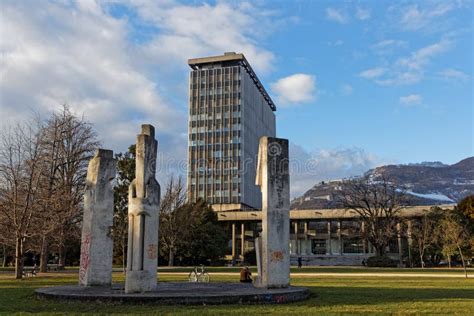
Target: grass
<point>314,269</point>
<point>330,295</point>
<point>331,270</point>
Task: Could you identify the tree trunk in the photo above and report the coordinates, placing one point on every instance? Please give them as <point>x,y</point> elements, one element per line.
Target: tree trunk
<point>44,255</point>
<point>449,261</point>
<point>4,263</point>
<point>463,263</point>
<point>18,258</point>
<point>62,256</point>
<point>124,256</point>
<point>171,258</point>
<point>380,250</point>
<point>421,250</point>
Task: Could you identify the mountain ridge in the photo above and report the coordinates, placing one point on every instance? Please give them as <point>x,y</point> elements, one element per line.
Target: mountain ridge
<point>428,183</point>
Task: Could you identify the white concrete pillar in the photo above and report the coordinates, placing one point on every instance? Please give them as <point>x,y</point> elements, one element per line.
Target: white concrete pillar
<point>339,236</point>
<point>96,242</point>
<point>274,181</point>
<point>242,245</point>
<point>297,243</point>
<point>410,241</point>
<point>399,244</point>
<point>143,212</point>
<point>233,242</point>
<point>329,247</point>
<point>307,247</point>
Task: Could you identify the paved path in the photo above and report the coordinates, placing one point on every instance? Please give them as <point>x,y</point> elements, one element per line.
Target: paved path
<point>355,274</point>
<point>180,293</point>
<point>459,274</point>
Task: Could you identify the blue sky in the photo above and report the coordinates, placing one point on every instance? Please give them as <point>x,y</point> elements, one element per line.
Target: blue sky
<point>357,83</point>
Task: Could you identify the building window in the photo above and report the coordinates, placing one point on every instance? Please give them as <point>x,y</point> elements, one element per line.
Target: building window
<point>353,245</point>
<point>318,246</point>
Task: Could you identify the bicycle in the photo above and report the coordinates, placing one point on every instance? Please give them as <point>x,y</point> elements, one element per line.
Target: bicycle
<point>199,276</point>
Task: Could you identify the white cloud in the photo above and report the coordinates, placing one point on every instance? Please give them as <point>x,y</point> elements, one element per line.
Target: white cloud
<point>347,89</point>
<point>336,43</point>
<point>362,14</point>
<point>410,69</point>
<point>415,18</point>
<point>336,15</point>
<point>77,53</point>
<point>411,100</point>
<point>200,30</point>
<point>421,57</point>
<point>387,46</point>
<point>294,89</point>
<point>372,73</point>
<point>453,74</point>
<point>310,167</point>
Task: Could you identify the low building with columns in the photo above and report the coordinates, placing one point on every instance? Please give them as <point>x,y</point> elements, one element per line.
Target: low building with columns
<point>319,236</point>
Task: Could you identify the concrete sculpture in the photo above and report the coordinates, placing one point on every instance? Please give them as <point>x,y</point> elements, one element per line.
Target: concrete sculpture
<point>96,242</point>
<point>274,181</point>
<point>143,212</point>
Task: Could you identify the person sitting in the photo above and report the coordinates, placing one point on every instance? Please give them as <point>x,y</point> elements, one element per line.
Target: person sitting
<point>245,275</point>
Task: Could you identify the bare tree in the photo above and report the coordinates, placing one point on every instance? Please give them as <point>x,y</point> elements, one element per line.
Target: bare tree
<point>378,204</point>
<point>51,198</point>
<point>454,236</point>
<point>171,219</point>
<point>423,232</point>
<point>69,144</point>
<point>20,176</point>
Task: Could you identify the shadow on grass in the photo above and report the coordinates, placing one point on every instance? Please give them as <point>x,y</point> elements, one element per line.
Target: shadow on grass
<point>19,296</point>
<point>334,295</point>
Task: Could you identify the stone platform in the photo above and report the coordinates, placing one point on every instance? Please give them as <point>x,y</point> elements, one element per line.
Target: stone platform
<point>179,293</point>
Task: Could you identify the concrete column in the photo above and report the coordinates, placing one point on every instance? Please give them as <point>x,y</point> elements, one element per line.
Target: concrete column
<point>96,243</point>
<point>399,243</point>
<point>297,244</point>
<point>339,236</point>
<point>242,246</point>
<point>233,242</point>
<point>143,208</point>
<point>306,248</point>
<point>274,181</point>
<point>410,241</point>
<point>329,238</point>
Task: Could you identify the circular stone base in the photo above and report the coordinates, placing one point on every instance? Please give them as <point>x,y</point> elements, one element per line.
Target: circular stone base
<point>180,293</point>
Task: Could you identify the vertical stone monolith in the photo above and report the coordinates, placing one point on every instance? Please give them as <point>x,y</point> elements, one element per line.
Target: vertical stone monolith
<point>274,181</point>
<point>143,208</point>
<point>96,242</point>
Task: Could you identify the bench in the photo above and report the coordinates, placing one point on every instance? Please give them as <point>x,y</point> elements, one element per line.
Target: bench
<point>29,272</point>
<point>54,267</point>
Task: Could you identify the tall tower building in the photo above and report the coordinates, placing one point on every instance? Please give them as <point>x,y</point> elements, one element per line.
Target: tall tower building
<point>229,110</point>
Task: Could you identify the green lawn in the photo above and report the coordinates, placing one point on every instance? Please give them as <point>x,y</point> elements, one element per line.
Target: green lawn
<point>313,269</point>
<point>330,294</point>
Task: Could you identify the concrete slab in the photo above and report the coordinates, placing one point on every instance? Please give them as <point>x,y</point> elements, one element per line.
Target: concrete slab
<point>179,293</point>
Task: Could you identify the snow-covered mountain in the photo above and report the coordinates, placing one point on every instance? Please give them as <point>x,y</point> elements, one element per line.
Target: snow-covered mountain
<point>428,183</point>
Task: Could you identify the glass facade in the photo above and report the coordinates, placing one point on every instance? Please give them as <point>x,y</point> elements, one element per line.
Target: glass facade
<point>222,147</point>
<point>215,135</point>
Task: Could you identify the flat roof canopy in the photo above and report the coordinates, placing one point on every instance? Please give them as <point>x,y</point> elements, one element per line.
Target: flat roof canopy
<point>196,63</point>
<point>193,62</point>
